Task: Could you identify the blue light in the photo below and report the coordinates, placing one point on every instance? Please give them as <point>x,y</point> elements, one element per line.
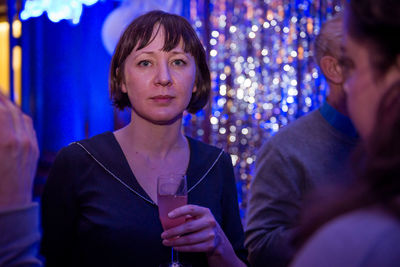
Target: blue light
<point>56,9</point>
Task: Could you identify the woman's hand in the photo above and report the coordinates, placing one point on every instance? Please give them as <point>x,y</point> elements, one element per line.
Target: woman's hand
<point>200,233</point>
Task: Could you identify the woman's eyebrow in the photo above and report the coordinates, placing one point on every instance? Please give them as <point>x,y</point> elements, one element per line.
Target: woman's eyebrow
<point>139,53</point>
<point>179,53</point>
<point>175,52</point>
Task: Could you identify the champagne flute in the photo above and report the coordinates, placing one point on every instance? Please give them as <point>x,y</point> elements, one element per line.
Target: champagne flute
<point>171,194</point>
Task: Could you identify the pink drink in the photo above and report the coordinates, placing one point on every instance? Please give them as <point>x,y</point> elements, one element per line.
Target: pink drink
<point>167,203</point>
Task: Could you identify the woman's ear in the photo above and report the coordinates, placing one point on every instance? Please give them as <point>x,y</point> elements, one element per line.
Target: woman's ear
<point>331,69</point>
<point>194,90</point>
<point>123,88</point>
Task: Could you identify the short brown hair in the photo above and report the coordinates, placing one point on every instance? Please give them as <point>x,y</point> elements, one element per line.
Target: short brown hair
<point>139,33</point>
<point>375,25</point>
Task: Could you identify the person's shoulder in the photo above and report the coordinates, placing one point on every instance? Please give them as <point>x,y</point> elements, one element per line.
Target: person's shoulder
<point>199,147</point>
<point>299,126</point>
<point>371,221</point>
<point>81,147</point>
<point>207,155</point>
<point>96,140</point>
<point>366,235</point>
<point>289,136</point>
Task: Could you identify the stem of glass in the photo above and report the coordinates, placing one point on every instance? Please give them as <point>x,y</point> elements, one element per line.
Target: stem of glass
<point>174,255</point>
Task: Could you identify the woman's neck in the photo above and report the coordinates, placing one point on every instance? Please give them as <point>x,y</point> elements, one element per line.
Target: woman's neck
<point>150,138</point>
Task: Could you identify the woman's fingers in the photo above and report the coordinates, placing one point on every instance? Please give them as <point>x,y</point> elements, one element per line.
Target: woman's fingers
<point>202,241</point>
<point>198,234</point>
<point>198,218</point>
<point>192,226</point>
<point>192,210</point>
<point>192,238</point>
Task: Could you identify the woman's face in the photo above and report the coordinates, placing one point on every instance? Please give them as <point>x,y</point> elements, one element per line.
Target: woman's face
<point>159,83</point>
<point>364,91</point>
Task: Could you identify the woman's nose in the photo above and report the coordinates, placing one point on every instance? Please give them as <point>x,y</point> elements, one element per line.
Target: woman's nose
<point>163,76</point>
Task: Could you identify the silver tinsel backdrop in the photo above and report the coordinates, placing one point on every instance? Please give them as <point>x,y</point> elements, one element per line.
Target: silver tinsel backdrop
<point>263,73</point>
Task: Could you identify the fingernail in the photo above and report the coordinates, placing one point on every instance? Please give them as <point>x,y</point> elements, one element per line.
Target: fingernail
<point>171,214</point>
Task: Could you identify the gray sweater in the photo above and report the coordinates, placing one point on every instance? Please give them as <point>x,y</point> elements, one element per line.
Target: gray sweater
<point>310,152</point>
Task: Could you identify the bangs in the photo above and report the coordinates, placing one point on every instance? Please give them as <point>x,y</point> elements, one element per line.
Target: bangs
<point>175,29</point>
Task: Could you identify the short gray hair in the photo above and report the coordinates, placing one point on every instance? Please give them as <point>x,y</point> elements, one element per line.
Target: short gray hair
<point>327,42</point>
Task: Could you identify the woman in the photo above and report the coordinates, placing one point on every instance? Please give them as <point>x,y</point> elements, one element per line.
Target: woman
<point>99,204</point>
<point>362,226</point>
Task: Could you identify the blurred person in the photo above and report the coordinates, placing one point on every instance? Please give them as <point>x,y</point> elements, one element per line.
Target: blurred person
<point>19,230</point>
<point>99,206</point>
<point>310,152</point>
<point>360,225</point>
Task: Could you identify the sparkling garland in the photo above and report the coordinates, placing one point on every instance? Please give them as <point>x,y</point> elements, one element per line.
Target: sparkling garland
<point>263,73</point>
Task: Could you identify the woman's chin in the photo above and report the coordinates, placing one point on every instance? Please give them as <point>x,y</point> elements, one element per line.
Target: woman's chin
<point>165,119</point>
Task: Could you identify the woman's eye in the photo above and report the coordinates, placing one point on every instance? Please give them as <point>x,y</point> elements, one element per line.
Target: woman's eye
<point>144,63</point>
<point>179,62</point>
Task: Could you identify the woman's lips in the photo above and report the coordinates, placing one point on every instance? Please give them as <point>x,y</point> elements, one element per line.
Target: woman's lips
<point>162,98</point>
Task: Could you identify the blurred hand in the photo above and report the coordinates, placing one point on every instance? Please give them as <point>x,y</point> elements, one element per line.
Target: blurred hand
<point>18,155</point>
<point>200,233</point>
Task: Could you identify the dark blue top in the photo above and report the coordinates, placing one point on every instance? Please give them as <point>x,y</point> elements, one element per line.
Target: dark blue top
<point>91,219</point>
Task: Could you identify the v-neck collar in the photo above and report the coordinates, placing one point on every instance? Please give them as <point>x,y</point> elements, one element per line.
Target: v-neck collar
<point>107,152</point>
